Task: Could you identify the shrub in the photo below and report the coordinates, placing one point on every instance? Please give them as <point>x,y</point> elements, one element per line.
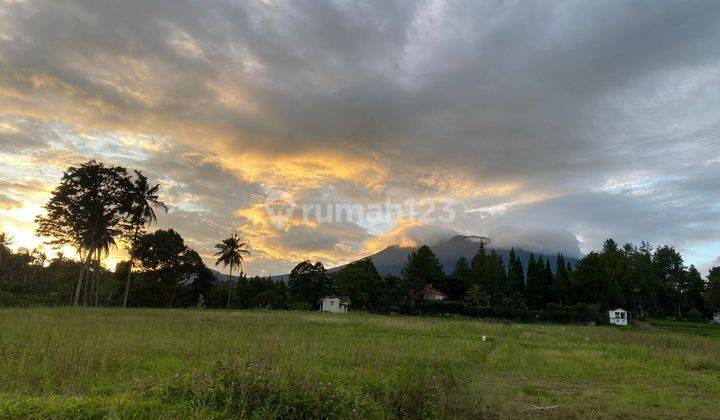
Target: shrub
<point>579,313</point>
<point>694,315</point>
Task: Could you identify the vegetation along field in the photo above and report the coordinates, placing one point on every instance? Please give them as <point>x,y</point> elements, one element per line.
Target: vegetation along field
<point>122,363</point>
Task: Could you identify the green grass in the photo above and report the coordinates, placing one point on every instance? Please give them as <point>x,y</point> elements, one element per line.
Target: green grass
<point>706,329</point>
<point>93,363</point>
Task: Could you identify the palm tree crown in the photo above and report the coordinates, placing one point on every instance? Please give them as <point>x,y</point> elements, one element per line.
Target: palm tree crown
<point>230,252</point>
<point>143,198</point>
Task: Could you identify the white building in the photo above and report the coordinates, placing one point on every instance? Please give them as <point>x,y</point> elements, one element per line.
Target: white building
<point>618,317</point>
<point>337,304</point>
<point>716,317</point>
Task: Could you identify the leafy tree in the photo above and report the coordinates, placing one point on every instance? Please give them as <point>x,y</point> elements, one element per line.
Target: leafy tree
<point>230,253</point>
<point>86,212</point>
<point>712,293</point>
<point>670,272</point>
<point>476,296</point>
<point>640,285</point>
<point>361,282</point>
<point>167,263</point>
<point>141,199</point>
<point>5,242</point>
<point>268,299</point>
<point>422,268</point>
<point>308,282</point>
<point>693,289</point>
<point>592,284</point>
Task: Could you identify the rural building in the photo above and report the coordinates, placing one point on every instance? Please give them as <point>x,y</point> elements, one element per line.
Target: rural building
<point>337,304</point>
<point>430,293</point>
<point>618,317</point>
<point>716,317</point>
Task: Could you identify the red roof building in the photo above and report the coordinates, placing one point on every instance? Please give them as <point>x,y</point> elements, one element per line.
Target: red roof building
<point>430,293</point>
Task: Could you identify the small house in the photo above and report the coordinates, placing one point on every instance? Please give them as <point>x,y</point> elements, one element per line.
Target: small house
<point>618,317</point>
<point>430,293</point>
<point>716,318</point>
<point>332,303</point>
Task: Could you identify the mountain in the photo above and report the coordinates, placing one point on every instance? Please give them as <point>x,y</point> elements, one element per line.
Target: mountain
<point>391,259</point>
<point>221,277</point>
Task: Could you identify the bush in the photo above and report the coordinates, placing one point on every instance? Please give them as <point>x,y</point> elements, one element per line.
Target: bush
<point>17,300</point>
<point>694,315</point>
<point>301,306</point>
<point>579,313</point>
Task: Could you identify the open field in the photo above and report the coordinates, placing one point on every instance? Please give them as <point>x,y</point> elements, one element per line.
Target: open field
<point>693,328</point>
<point>181,363</point>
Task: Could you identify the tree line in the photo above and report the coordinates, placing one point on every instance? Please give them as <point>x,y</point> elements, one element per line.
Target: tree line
<point>96,208</point>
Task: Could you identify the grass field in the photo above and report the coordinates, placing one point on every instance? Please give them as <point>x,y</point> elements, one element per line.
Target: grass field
<point>182,363</point>
<point>693,328</point>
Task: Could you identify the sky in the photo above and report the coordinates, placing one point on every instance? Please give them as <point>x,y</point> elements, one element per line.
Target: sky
<point>547,125</point>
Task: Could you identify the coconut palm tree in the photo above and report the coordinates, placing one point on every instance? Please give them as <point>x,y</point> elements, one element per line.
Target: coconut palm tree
<point>142,201</point>
<point>230,253</point>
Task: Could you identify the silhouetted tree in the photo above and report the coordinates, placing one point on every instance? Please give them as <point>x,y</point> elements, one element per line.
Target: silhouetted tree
<point>230,254</point>
<point>86,212</point>
<point>308,282</point>
<point>141,199</point>
<point>167,263</point>
<point>359,281</point>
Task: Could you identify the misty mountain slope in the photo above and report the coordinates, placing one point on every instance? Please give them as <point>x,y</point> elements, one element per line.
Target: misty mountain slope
<point>391,259</point>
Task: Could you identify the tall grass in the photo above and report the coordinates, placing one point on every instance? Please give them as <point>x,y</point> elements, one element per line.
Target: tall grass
<point>67,362</point>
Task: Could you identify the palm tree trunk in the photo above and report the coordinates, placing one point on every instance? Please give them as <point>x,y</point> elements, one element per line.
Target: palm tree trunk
<point>96,279</point>
<point>129,274</point>
<point>78,288</point>
<point>88,279</point>
<point>228,284</point>
<point>127,282</point>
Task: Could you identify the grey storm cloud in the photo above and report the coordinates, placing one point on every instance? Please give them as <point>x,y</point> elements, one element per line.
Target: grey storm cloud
<point>609,112</point>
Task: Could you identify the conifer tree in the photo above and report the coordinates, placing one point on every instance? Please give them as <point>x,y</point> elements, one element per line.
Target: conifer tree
<point>496,277</point>
<point>479,266</point>
<point>560,286</point>
<point>422,268</point>
<point>534,295</point>
<point>547,283</point>
<point>513,295</point>
<point>456,285</point>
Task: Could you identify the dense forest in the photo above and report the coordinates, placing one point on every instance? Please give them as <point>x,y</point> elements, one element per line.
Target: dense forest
<point>96,208</point>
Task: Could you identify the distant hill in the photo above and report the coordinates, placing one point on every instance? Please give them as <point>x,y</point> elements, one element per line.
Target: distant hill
<point>391,259</point>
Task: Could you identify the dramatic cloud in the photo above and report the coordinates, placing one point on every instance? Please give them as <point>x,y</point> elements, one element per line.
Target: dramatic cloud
<point>546,123</point>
